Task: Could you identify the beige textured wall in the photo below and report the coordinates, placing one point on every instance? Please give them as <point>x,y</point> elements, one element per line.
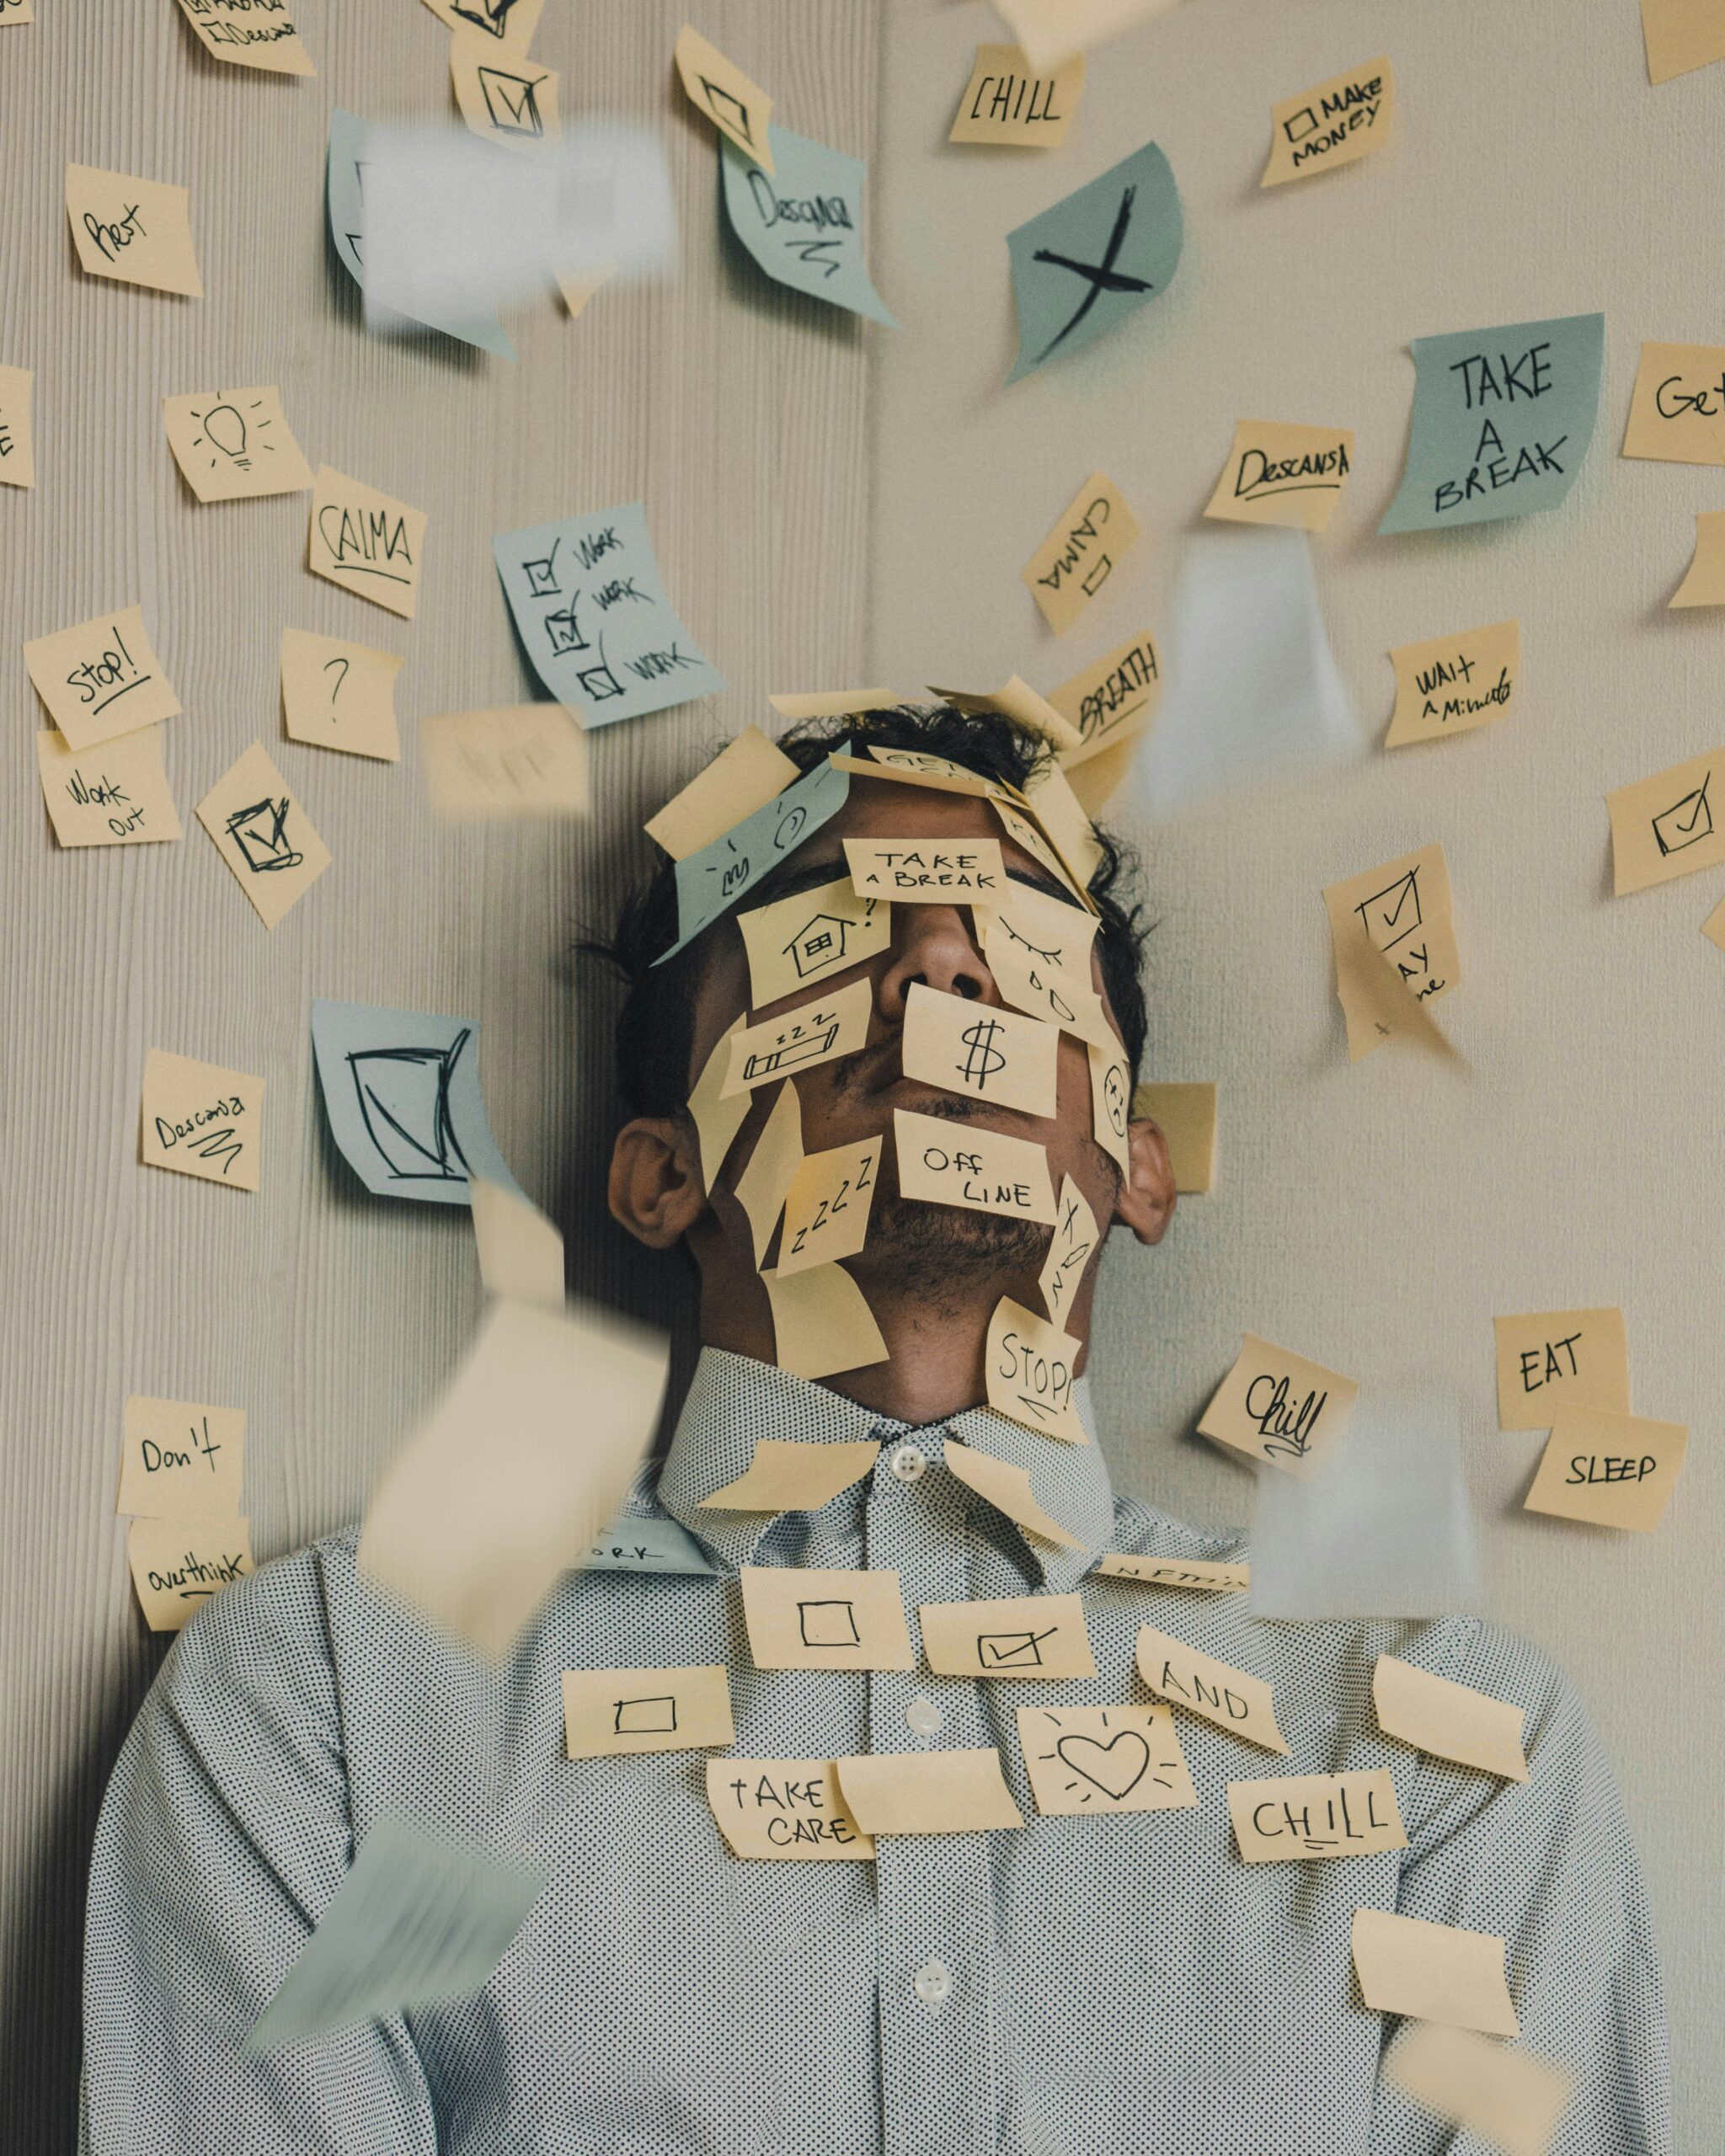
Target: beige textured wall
<point>738,415</point>
<point>1380,1216</point>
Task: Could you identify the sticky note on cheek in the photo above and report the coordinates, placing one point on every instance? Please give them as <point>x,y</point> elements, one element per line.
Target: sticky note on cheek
<point>1551,1359</point>
<point>810,1033</point>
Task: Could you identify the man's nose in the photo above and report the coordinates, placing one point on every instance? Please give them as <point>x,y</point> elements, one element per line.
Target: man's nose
<point>933,945</point>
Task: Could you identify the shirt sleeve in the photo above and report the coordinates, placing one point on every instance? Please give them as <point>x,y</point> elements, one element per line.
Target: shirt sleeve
<point>223,1836</point>
<point>1548,1865</point>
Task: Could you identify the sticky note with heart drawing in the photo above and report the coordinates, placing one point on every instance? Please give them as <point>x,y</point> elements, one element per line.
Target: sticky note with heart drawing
<point>1091,1759</point>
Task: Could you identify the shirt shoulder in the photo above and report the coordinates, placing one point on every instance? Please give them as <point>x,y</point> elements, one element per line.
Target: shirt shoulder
<point>1141,1530</point>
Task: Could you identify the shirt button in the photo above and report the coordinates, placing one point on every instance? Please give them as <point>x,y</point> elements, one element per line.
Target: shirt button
<point>933,1983</point>
<point>924,1717</point>
<point>909,1464</point>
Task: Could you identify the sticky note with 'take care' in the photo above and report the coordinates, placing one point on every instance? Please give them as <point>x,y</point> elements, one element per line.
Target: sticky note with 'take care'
<point>1092,1761</point>
<point>787,1808</point>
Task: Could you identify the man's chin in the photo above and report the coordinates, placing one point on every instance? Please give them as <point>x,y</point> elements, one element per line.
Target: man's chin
<point>945,1252</point>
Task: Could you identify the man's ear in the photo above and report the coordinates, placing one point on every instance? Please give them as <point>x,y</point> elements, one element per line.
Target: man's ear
<point>656,1190</point>
<point>1146,1200</point>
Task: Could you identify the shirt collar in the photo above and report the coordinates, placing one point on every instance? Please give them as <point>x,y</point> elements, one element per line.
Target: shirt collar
<point>733,1400</point>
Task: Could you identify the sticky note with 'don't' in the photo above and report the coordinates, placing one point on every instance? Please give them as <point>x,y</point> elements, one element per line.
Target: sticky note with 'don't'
<point>180,1459</point>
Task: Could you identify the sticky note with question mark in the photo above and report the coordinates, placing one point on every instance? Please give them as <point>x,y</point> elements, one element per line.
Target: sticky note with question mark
<point>339,695</point>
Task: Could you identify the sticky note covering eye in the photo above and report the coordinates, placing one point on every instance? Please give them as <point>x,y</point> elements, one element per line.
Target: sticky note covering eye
<point>101,678</point>
<point>338,695</point>
<point>1006,100</point>
<point>178,1564</point>
<point>1501,420</point>
<point>1073,565</point>
<point>1297,1816</point>
<point>743,777</point>
<point>802,220</point>
<point>787,1808</point>
<point>805,1618</point>
<point>827,1206</point>
<point>609,1712</point>
<point>368,543</point>
<point>1451,1721</point>
<point>1610,1470</point>
<point>1403,908</point>
<point>1280,473</point>
<point>737,106</point>
<point>487,766</point>
<point>1433,1972</point>
<point>1276,1406</point>
<point>927,872</point>
<point>942,1163</point>
<point>810,1032</point>
<point>1548,1359</point>
<point>1449,685</point>
<point>1232,1699</point>
<point>982,1053</point>
<point>711,882</point>
<point>18,451</point>
<point>1032,1368</point>
<point>263,834</point>
<point>113,794</point>
<point>201,1119</point>
<point>138,230</point>
<point>1022,1636</point>
<point>1668,825</point>
<point>798,941</point>
<point>1087,1760</point>
<point>234,444</point>
<point>1331,124</point>
<point>929,1792</point>
<point>181,1459</point>
<point>249,33</point>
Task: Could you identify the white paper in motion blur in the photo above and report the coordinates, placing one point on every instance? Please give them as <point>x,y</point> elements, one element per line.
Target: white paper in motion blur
<point>1381,1527</point>
<point>517,1471</point>
<point>1253,691</point>
<point>456,226</point>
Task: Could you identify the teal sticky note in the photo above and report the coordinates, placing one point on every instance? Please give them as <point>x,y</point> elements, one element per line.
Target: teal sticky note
<point>803,221</point>
<point>1501,420</point>
<point>1095,258</point>
<point>711,881</point>
<point>631,1544</point>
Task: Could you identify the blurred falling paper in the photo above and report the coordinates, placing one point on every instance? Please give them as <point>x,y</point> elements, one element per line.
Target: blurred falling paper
<point>1253,691</point>
<point>517,1471</point>
<point>1381,1527</point>
<point>419,1921</point>
<point>455,228</point>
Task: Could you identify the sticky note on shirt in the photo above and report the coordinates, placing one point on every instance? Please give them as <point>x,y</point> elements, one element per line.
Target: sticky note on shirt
<point>101,678</point>
<point>1073,565</point>
<point>1704,581</point>
<point>113,794</point>
<point>1677,409</point>
<point>821,1323</point>
<point>1007,1488</point>
<point>1333,123</point>
<point>1449,684</point>
<point>1006,100</point>
<point>926,871</point>
<point>1278,473</point>
<point>233,444</point>
<point>1070,1252</point>
<point>1087,1761</point>
<point>1277,1406</point>
<point>736,105</point>
<point>747,773</point>
<point>786,1475</point>
<point>1502,421</point>
<point>506,99</point>
<point>339,695</point>
<point>811,1033</point>
<point>1610,1470</point>
<point>17,441</point>
<point>827,1205</point>
<point>1185,1112</point>
<point>252,34</point>
<point>942,1163</point>
<point>1666,826</point>
<point>181,1459</point>
<point>802,220</point>
<point>1210,1576</point>
<point>178,1564</point>
<point>798,942</point>
<point>516,760</point>
<point>1232,1699</point>
<point>1508,2099</point>
<point>929,1792</point>
<point>1432,1971</point>
<point>966,1047</point>
<point>803,1618</point>
<point>609,1712</point>
<point>1550,1359</point>
<point>368,542</point>
<point>138,230</point>
<point>1403,908</point>
<point>790,1808</point>
<point>1291,1817</point>
<point>1451,1721</point>
<point>202,1120</point>
<point>1034,1636</point>
<point>263,834</point>
<point>1680,36</point>
<point>1032,1368</point>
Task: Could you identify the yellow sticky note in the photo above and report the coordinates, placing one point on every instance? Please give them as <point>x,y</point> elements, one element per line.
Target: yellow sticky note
<point>739,108</point>
<point>180,1459</point>
<point>1007,1489</point>
<point>791,1808</point>
<point>1018,1636</point>
<point>796,942</point>
<point>1087,1761</point>
<point>1232,1699</point>
<point>502,96</point>
<point>250,34</point>
<point>1032,1368</point>
<point>832,703</point>
<point>1185,1113</point>
<point>1017,701</point>
<point>1665,826</point>
<point>138,230</point>
<point>1090,539</point>
<point>575,292</point>
<point>1449,684</point>
<point>1111,702</point>
<point>1209,1576</point>
<point>520,1251</point>
<point>18,440</point>
<point>1432,1971</point>
<point>784,1475</point>
<point>101,678</point>
<point>202,1120</point>
<point>1050,798</point>
<point>1111,1102</point>
<point>178,1564</point>
<point>1453,1722</point>
<point>822,1323</point>
<point>767,1176</point>
<point>1704,581</point>
<point>1032,838</point>
<point>1509,2100</point>
<point>507,26</point>
<point>929,1792</point>
<point>1275,1406</point>
<point>1280,473</point>
<point>1404,909</point>
<point>1713,927</point>
<point>719,1116</point>
<point>339,695</point>
<point>1333,123</point>
<point>609,1712</point>
<point>744,775</point>
<point>1054,936</point>
<point>835,1023</point>
<point>234,444</point>
<point>1026,961</point>
<point>1548,1359</point>
<point>1288,1817</point>
<point>805,1618</point>
<point>115,794</point>
<point>827,1206</point>
<point>1609,1469</point>
<point>981,1053</point>
<point>516,759</point>
<point>13,12</point>
<point>368,543</point>
<point>1677,411</point>
<point>1073,1244</point>
<point>1050,31</point>
<point>1681,35</point>
<point>263,834</point>
<point>1006,100</point>
<point>942,1163</point>
<point>927,872</point>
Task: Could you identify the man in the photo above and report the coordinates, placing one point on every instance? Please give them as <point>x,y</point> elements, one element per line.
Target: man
<point>1117,1984</point>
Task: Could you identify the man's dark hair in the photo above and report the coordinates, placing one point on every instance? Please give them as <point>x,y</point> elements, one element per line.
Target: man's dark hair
<point>655,1027</point>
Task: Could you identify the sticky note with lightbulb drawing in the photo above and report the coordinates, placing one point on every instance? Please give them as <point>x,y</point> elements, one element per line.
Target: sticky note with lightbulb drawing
<point>232,444</point>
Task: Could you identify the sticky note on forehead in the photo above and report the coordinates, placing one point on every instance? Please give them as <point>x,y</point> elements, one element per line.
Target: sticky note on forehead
<point>927,872</point>
<point>711,881</point>
<point>743,777</point>
<point>1548,1359</point>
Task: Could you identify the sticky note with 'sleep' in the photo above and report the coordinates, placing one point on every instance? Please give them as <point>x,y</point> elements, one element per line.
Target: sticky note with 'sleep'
<point>1609,1469</point>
